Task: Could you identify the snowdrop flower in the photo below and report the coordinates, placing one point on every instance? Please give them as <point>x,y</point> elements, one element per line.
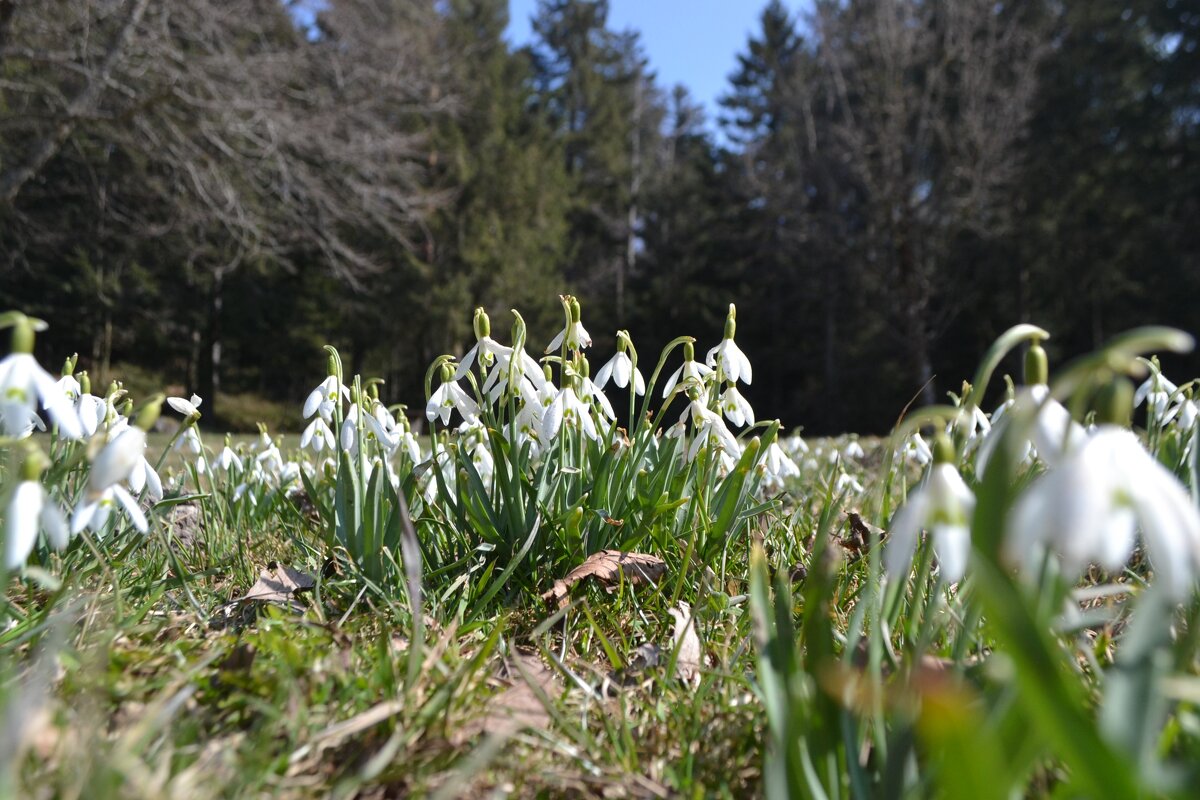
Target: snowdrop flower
<point>95,512</point>
<point>573,334</point>
<point>589,392</point>
<point>316,435</point>
<point>566,407</point>
<point>449,397</point>
<point>621,369</point>
<point>190,409</point>
<point>323,400</point>
<point>1089,508</point>
<point>91,410</point>
<point>23,383</point>
<point>796,444</point>
<point>1053,432</point>
<point>853,450</point>
<point>144,476</point>
<point>117,461</point>
<point>30,509</point>
<point>945,505</point>
<point>227,459</point>
<point>690,369</point>
<point>486,349</point>
<point>709,429</point>
<point>1156,392</point>
<point>728,356</point>
<point>1188,413</point>
<point>735,407</point>
<point>189,440</point>
<point>778,464</point>
<point>846,481</point>
<point>916,449</point>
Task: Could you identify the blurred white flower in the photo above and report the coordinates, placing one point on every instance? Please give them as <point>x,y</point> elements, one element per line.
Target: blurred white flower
<point>944,504</point>
<point>29,510</point>
<point>22,384</point>
<point>1156,392</point>
<point>1053,432</point>
<point>228,459</point>
<point>1089,508</point>
<point>117,461</point>
<point>96,510</point>
<point>853,449</point>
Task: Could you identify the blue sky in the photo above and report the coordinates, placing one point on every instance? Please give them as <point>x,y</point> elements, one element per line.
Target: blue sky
<point>693,42</point>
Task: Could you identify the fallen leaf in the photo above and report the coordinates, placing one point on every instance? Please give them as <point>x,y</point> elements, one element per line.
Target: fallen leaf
<point>645,657</point>
<point>279,584</point>
<point>518,707</point>
<point>608,566</point>
<point>686,644</point>
<point>859,533</point>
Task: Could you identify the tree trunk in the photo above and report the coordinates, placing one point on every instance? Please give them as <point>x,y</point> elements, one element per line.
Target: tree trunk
<point>84,102</point>
<point>210,361</point>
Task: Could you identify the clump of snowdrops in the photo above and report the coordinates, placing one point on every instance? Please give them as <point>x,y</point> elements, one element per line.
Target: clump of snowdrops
<point>1021,617</point>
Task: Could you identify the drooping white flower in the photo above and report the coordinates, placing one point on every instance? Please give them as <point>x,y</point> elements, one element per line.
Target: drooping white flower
<point>324,398</point>
<point>735,407</point>
<point>22,384</point>
<point>96,510</point>
<point>486,351</point>
<point>316,435</point>
<point>575,335</point>
<point>1156,392</point>
<point>779,465</point>
<point>689,369</point>
<point>621,371</point>
<point>29,510</point>
<point>853,450</point>
<point>1052,434</point>
<point>227,459</point>
<point>589,392</point>
<point>144,476</point>
<point>117,461</point>
<point>708,428</point>
<point>566,408</point>
<point>1089,508</point>
<point>732,361</point>
<point>944,504</point>
<point>450,397</point>
<point>916,449</point>
<point>91,410</point>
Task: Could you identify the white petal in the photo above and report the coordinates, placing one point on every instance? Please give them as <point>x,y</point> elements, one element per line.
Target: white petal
<point>132,508</point>
<point>21,531</point>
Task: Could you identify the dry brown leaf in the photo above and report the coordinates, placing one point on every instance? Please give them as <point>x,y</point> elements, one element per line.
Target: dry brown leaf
<point>607,566</point>
<point>860,532</point>
<point>687,645</point>
<point>279,584</point>
<point>518,707</point>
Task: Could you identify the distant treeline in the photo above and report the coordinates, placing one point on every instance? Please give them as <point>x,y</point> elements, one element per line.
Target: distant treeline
<point>212,189</point>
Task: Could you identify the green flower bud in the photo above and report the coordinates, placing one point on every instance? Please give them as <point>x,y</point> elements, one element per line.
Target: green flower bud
<point>331,367</point>
<point>85,382</point>
<point>1114,402</point>
<point>34,463</point>
<point>731,322</point>
<point>69,364</point>
<point>585,369</point>
<point>482,325</point>
<point>689,351</point>
<point>518,329</point>
<point>447,373</point>
<point>943,450</point>
<point>575,310</point>
<point>1037,369</point>
<point>127,407</point>
<point>148,415</point>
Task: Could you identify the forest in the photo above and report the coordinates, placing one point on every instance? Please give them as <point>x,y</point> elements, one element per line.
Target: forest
<point>203,193</point>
